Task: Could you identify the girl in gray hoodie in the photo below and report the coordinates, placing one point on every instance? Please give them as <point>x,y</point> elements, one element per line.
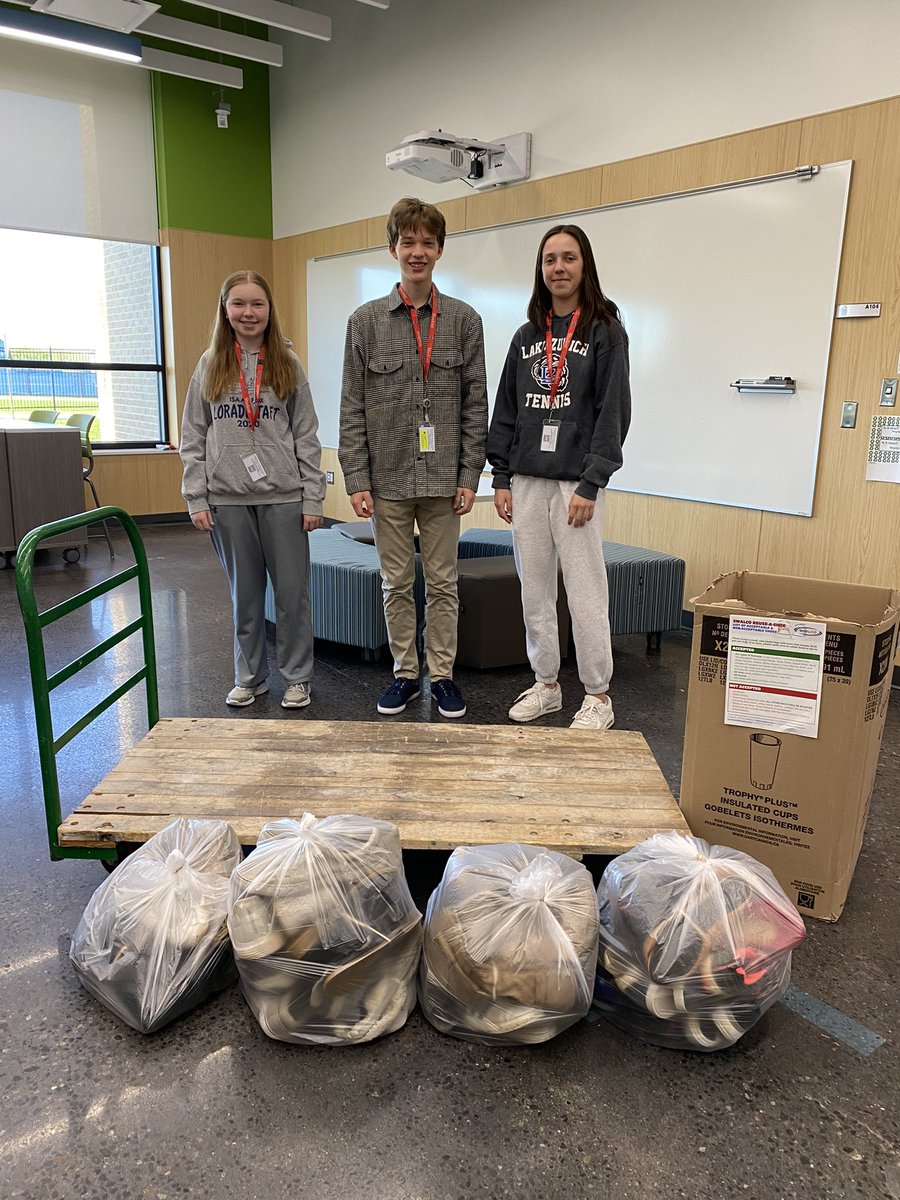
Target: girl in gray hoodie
<point>252,481</point>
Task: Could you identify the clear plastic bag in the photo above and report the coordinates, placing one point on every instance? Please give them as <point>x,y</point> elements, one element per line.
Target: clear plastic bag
<point>510,945</point>
<point>695,942</point>
<point>325,932</point>
<point>152,942</point>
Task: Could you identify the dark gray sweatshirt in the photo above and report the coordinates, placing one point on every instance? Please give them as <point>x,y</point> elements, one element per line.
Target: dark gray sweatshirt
<point>594,408</point>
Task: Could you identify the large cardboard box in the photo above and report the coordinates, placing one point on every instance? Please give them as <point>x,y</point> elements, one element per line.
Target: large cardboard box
<point>796,803</point>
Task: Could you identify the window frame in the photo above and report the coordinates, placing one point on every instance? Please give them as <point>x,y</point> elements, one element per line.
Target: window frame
<point>157,368</point>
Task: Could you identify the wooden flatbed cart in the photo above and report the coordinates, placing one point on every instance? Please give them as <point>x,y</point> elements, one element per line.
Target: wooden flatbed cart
<point>443,785</point>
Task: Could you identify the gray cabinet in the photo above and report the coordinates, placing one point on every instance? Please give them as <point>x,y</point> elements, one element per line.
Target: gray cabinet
<point>40,480</point>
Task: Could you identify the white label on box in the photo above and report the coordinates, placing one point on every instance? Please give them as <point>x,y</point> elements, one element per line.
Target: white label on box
<point>774,674</point>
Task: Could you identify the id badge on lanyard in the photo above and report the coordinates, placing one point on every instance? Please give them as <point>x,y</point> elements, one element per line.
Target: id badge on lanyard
<point>427,443</point>
<point>550,427</point>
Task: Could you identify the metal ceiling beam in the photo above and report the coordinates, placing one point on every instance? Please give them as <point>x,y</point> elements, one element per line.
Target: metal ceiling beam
<point>271,12</point>
<point>191,68</point>
<point>209,37</point>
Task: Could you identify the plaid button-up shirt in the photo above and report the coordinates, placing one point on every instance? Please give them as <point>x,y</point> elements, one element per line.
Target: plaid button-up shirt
<point>383,400</point>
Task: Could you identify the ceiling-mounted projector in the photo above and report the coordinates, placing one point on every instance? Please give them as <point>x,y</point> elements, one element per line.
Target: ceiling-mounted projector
<point>442,157</point>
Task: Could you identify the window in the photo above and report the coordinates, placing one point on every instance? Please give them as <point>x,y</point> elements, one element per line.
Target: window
<point>80,332</point>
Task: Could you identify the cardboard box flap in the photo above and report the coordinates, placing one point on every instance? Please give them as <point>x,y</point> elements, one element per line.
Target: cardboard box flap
<point>814,599</point>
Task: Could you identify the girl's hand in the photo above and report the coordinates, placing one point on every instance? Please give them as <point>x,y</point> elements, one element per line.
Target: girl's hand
<point>311,523</point>
<point>503,504</point>
<point>580,511</point>
<point>202,520</point>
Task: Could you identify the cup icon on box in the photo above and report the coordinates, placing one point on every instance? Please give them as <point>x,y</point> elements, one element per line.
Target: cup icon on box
<point>764,749</point>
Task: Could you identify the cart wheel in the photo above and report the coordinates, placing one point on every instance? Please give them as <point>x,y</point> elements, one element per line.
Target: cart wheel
<point>123,849</point>
<point>71,554</point>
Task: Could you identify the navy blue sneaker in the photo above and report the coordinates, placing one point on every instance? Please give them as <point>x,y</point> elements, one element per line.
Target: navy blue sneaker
<point>398,695</point>
<point>449,698</point>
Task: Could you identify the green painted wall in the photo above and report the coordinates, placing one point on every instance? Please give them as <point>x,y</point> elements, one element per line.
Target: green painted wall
<point>210,179</point>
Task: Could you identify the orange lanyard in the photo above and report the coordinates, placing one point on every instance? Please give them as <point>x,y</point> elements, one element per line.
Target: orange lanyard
<point>251,411</point>
<point>556,376</point>
<point>424,351</point>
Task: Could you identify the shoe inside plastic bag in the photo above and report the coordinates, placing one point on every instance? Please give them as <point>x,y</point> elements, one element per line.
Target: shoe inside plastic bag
<point>510,945</point>
<point>325,932</point>
<point>152,942</point>
<point>695,942</point>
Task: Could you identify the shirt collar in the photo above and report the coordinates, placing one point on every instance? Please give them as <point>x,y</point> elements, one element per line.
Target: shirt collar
<point>394,301</point>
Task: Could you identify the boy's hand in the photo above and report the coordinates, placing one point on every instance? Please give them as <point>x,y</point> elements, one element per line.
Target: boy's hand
<point>310,523</point>
<point>363,504</point>
<point>463,501</point>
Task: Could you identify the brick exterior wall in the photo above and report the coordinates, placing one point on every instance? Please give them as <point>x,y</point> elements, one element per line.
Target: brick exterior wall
<point>129,401</point>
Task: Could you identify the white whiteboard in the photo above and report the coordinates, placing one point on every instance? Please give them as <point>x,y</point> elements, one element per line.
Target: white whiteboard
<point>712,286</point>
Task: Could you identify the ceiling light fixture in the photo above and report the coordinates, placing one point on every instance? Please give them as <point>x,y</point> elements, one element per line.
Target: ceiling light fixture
<point>69,35</point>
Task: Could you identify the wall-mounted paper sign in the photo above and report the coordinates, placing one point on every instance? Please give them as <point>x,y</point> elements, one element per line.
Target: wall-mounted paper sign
<point>883,461</point>
<point>870,309</point>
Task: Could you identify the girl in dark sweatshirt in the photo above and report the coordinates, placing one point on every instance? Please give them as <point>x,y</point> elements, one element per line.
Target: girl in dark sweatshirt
<point>562,411</point>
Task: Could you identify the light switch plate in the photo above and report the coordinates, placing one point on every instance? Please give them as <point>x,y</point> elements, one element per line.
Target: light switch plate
<point>848,415</point>
<point>329,476</point>
<point>888,393</point>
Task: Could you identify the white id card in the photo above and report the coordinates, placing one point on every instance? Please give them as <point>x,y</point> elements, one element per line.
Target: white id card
<point>426,438</point>
<point>549,434</point>
<point>255,469</point>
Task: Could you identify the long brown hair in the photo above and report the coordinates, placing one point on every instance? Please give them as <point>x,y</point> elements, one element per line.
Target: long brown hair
<point>594,305</point>
<point>221,371</point>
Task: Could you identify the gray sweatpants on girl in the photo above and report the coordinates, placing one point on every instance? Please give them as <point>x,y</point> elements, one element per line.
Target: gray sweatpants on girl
<point>541,539</point>
<point>251,539</point>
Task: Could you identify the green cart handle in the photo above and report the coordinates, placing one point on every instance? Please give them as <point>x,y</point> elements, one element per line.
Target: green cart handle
<point>41,685</point>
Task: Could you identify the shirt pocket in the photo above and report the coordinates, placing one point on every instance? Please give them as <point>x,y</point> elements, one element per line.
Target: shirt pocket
<point>444,375</point>
<point>384,378</point>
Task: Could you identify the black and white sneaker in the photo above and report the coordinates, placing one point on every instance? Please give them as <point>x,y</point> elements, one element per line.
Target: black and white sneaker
<point>449,698</point>
<point>398,695</point>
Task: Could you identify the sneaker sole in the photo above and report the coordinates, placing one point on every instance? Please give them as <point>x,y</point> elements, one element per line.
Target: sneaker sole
<point>543,713</point>
<point>451,715</point>
<point>296,703</point>
<point>392,712</point>
<point>245,703</point>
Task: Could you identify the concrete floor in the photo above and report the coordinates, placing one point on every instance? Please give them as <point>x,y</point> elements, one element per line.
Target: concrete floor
<point>210,1107</point>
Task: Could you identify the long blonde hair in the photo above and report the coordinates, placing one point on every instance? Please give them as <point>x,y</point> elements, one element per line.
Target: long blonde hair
<point>221,372</point>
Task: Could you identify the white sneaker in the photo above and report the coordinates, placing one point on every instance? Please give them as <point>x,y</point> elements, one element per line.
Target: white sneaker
<point>593,714</point>
<point>296,696</point>
<point>238,697</point>
<point>536,702</point>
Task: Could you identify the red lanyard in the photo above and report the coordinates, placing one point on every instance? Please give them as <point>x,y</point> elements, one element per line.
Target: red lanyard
<point>252,413</point>
<point>556,376</point>
<point>424,351</point>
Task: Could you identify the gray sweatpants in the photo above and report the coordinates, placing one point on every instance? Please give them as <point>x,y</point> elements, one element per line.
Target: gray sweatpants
<point>251,539</point>
<point>541,538</point>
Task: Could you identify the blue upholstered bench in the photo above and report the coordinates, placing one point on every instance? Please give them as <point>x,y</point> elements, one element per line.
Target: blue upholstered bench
<point>345,592</point>
<point>646,588</point>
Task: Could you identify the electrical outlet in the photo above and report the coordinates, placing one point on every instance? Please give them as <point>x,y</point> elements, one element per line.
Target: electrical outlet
<point>848,415</point>
<point>329,476</point>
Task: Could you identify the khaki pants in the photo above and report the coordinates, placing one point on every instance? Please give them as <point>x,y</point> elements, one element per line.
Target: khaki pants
<point>438,537</point>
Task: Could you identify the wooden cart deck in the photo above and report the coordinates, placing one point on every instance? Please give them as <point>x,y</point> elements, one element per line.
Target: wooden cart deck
<point>442,785</point>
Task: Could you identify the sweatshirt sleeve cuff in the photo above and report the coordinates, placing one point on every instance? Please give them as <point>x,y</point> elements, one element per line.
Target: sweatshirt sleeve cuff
<point>198,504</point>
<point>311,508</point>
<point>587,491</point>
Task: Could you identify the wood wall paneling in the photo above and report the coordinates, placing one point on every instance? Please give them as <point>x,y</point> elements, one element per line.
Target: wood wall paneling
<point>850,536</point>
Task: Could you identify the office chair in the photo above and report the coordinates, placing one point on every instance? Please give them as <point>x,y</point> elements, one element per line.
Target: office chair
<point>84,421</point>
<point>43,416</point>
